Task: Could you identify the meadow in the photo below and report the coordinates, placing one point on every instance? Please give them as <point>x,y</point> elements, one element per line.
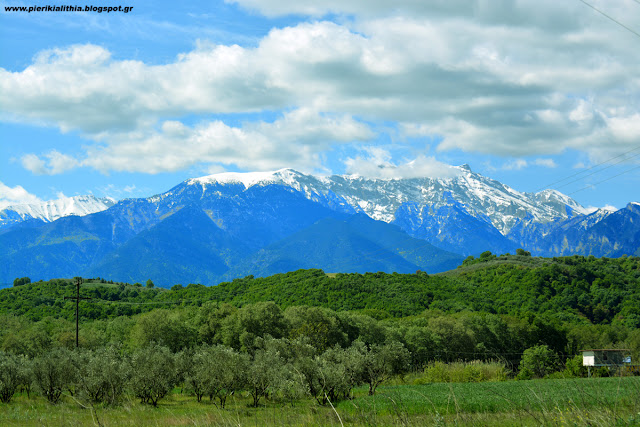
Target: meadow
<point>551,402</point>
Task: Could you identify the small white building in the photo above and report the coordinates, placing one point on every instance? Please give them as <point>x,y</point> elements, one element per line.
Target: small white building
<point>609,357</point>
<point>605,357</point>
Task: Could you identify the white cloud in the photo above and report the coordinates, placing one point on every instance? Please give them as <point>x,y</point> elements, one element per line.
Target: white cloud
<point>16,196</point>
<point>547,163</point>
<point>296,138</point>
<point>526,78</point>
<point>377,163</point>
<point>516,164</point>
<point>55,163</point>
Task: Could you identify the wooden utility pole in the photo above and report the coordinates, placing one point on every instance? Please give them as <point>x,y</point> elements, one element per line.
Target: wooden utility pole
<point>78,281</point>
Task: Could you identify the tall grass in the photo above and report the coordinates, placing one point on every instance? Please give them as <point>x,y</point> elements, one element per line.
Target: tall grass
<point>581,402</point>
<point>463,372</point>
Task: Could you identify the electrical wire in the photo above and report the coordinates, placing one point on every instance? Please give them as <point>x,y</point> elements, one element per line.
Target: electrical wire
<point>604,180</point>
<point>611,18</point>
<point>588,169</point>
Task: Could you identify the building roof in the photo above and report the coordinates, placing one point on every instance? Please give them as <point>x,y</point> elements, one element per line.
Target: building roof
<point>605,349</point>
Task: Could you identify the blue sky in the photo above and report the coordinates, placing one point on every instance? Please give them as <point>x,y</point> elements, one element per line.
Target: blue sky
<point>537,94</point>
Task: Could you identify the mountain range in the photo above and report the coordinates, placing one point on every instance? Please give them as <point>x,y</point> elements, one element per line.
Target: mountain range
<point>223,226</point>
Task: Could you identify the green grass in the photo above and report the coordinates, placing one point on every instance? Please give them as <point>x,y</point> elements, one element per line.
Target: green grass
<point>579,402</point>
<point>602,401</point>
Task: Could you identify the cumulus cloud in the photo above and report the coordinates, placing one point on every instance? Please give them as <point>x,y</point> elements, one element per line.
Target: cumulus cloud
<point>55,163</point>
<point>519,164</point>
<point>377,163</point>
<point>547,163</point>
<point>15,196</point>
<point>296,138</point>
<point>515,79</point>
<point>515,164</point>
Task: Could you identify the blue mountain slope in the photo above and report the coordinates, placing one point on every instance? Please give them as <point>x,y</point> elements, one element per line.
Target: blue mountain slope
<point>612,234</point>
<point>352,244</point>
<point>452,228</point>
<point>187,247</point>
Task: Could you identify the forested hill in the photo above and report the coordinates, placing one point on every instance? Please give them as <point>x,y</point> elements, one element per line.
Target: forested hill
<point>574,289</point>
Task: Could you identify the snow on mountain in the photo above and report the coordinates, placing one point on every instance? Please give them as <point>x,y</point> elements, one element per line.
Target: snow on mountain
<point>482,197</point>
<point>53,209</point>
<point>594,217</point>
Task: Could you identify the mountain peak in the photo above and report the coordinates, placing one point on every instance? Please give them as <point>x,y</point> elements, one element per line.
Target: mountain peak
<point>248,179</point>
<point>51,210</point>
<point>465,167</point>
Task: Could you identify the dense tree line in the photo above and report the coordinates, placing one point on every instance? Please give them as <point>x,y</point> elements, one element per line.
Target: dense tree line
<point>269,353</point>
<point>430,336</point>
<point>576,289</point>
<point>306,333</point>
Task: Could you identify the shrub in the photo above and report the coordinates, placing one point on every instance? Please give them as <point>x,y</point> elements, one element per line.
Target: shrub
<point>537,362</point>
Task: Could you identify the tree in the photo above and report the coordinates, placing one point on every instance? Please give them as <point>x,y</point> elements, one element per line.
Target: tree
<point>537,362</point>
<point>153,373</point>
<point>381,362</point>
<point>320,325</point>
<point>165,328</point>
<point>149,284</point>
<point>103,375</point>
<point>265,373</point>
<point>21,281</point>
<point>522,252</point>
<point>53,372</point>
<point>12,375</point>
<point>261,319</point>
<point>227,374</point>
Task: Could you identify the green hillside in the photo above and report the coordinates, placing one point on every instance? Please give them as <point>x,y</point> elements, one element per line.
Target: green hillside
<point>575,289</point>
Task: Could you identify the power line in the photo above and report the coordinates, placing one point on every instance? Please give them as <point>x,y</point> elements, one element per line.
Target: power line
<point>598,171</point>
<point>611,18</point>
<point>605,180</point>
<point>104,301</point>
<point>588,169</point>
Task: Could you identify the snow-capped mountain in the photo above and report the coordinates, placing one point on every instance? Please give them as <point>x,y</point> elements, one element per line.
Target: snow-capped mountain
<point>482,197</point>
<point>53,209</point>
<point>223,226</point>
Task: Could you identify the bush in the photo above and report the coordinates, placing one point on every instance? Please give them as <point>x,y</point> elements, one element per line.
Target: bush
<point>537,362</point>
<point>19,281</point>
<point>574,368</point>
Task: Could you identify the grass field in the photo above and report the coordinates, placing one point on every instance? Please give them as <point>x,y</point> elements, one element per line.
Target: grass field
<point>574,402</point>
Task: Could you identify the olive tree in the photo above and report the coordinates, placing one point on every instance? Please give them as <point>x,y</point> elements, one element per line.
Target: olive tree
<point>153,373</point>
<point>378,363</point>
<point>12,375</point>
<point>267,373</point>
<point>103,375</point>
<point>53,372</point>
<point>217,371</point>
